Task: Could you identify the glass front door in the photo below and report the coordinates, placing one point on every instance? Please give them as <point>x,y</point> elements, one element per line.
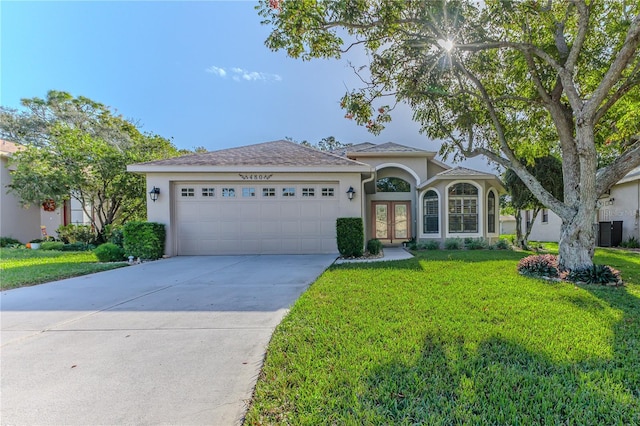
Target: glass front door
<point>391,222</point>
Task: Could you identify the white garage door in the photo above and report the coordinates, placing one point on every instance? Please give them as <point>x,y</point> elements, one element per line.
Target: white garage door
<point>267,218</point>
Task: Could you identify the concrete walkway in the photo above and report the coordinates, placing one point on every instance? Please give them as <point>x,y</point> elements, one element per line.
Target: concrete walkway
<point>390,253</point>
<point>177,341</point>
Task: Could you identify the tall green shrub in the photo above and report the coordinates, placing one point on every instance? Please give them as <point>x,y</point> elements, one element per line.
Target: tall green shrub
<point>350,236</point>
<point>144,239</point>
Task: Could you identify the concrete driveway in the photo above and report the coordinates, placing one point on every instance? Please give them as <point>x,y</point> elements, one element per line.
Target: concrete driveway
<point>177,341</point>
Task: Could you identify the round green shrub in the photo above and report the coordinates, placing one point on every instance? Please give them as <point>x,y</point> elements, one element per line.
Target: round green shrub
<point>8,241</point>
<point>453,244</point>
<point>52,245</point>
<point>374,246</point>
<point>109,252</point>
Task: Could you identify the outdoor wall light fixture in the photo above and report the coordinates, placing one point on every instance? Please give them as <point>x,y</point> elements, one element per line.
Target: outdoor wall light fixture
<point>153,194</point>
<point>350,193</point>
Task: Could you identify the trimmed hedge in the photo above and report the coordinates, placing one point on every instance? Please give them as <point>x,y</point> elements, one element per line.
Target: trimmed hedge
<point>109,252</point>
<point>350,236</point>
<point>144,240</point>
<point>52,245</point>
<point>374,246</point>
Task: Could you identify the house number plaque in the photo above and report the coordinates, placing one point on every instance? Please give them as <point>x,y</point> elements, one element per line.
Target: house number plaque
<point>255,176</point>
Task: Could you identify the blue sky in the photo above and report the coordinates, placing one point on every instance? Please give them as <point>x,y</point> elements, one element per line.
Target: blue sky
<point>197,72</point>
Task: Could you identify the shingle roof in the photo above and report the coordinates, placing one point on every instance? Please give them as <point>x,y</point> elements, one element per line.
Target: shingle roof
<point>7,147</point>
<point>276,153</point>
<point>463,171</point>
<point>382,148</point>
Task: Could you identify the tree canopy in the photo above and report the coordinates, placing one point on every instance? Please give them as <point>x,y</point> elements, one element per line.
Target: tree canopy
<point>504,79</point>
<point>76,147</point>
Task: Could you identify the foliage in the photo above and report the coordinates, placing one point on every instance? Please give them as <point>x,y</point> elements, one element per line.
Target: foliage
<point>328,144</point>
<point>52,245</point>
<point>109,252</point>
<point>78,246</point>
<point>36,240</point>
<point>8,241</point>
<point>502,244</point>
<point>475,243</point>
<point>374,246</point>
<point>144,240</point>
<point>596,274</point>
<point>392,184</point>
<point>511,81</point>
<point>28,267</point>
<point>453,244</point>
<point>76,234</point>
<point>113,234</point>
<point>350,235</point>
<point>454,338</point>
<point>539,265</point>
<point>632,242</point>
<point>76,147</point>
<point>429,245</point>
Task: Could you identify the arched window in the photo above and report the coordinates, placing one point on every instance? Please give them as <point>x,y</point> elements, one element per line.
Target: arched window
<point>430,223</point>
<point>463,208</point>
<point>392,184</point>
<point>491,212</point>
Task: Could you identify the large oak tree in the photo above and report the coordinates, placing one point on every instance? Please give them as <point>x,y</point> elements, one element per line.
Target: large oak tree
<point>503,79</point>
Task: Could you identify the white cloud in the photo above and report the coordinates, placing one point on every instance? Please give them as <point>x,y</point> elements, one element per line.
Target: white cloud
<point>239,74</point>
<point>216,70</point>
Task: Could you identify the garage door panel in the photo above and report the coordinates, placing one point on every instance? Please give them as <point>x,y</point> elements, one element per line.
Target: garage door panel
<point>240,225</point>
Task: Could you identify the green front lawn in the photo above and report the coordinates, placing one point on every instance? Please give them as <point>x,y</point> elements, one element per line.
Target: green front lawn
<point>20,267</point>
<point>455,337</point>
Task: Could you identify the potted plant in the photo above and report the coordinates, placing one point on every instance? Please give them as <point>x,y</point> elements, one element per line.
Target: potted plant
<point>35,244</point>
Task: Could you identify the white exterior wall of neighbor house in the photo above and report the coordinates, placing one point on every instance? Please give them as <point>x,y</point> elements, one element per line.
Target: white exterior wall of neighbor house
<point>16,222</point>
<point>164,209</point>
<point>543,231</point>
<point>622,204</point>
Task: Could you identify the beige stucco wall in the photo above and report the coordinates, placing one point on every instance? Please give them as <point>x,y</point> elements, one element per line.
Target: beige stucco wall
<point>162,210</point>
<point>441,187</point>
<point>15,221</point>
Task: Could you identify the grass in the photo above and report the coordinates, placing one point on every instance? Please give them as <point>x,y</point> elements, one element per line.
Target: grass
<point>455,337</point>
<point>20,267</point>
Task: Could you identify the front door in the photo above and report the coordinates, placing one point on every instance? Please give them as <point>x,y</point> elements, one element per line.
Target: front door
<point>391,221</point>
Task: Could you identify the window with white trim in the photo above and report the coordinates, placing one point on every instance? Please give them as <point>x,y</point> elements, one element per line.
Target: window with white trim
<point>187,192</point>
<point>491,212</point>
<point>308,192</point>
<point>268,192</point>
<point>228,192</point>
<point>430,217</point>
<point>208,192</point>
<point>248,192</point>
<point>328,192</point>
<point>289,192</point>
<point>463,208</point>
<point>545,216</point>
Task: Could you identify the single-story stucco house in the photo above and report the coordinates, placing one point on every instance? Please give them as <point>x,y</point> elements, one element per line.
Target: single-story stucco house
<point>25,224</point>
<point>282,197</point>
<point>619,205</point>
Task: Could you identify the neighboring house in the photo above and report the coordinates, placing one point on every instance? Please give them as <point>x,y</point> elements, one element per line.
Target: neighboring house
<point>25,224</point>
<point>282,197</point>
<point>17,222</point>
<point>507,224</point>
<point>620,204</point>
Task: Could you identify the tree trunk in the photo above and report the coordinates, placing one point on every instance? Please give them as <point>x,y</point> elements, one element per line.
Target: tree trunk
<point>518,228</point>
<point>577,241</point>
